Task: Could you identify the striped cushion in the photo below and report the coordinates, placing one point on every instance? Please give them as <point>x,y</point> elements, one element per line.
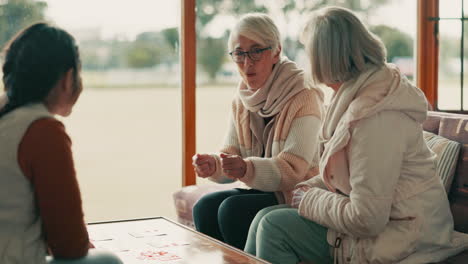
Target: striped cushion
<point>447,156</point>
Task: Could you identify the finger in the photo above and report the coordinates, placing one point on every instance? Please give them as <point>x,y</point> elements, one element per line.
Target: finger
<point>228,172</point>
<point>227,156</point>
<point>195,163</point>
<point>203,173</point>
<point>198,172</point>
<point>232,165</point>
<point>229,166</point>
<point>224,155</point>
<point>198,157</point>
<point>203,167</point>
<point>200,161</point>
<point>201,157</point>
<point>236,172</point>
<point>230,160</point>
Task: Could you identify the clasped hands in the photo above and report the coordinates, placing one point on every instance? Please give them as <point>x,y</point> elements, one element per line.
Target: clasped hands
<point>298,194</point>
<point>233,166</point>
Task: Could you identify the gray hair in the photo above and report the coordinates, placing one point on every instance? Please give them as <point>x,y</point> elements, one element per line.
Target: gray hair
<point>259,28</point>
<point>339,45</point>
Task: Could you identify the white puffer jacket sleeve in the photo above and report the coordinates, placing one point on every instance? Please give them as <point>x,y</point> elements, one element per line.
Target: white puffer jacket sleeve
<point>375,156</point>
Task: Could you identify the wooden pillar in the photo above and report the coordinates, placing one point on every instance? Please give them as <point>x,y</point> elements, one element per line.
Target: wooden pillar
<point>188,60</point>
<point>428,49</point>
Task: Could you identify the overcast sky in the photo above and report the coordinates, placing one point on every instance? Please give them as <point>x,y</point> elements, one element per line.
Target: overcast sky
<point>115,17</point>
<point>128,18</point>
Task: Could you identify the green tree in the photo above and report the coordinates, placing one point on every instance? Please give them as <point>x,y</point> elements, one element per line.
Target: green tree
<point>143,55</point>
<point>398,44</point>
<point>171,36</point>
<point>211,55</point>
<point>118,49</point>
<point>364,7</point>
<point>207,10</point>
<point>211,52</point>
<point>152,48</point>
<point>16,15</point>
<point>171,45</point>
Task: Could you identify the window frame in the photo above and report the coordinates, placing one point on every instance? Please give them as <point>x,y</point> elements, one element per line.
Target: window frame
<point>188,59</point>
<point>427,55</point>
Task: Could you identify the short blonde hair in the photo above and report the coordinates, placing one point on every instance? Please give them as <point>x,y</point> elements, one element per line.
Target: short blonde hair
<point>339,45</point>
<point>259,28</point>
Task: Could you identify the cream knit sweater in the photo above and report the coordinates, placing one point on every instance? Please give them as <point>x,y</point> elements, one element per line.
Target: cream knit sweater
<point>294,150</point>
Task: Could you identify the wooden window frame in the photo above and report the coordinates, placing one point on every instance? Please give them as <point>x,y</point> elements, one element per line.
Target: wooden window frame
<point>189,61</point>
<point>427,55</point>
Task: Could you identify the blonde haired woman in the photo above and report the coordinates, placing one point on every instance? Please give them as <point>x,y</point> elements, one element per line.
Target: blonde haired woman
<point>271,144</point>
<point>377,199</point>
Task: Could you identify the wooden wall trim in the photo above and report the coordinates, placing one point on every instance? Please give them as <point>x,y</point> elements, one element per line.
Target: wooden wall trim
<point>188,45</point>
<point>428,49</point>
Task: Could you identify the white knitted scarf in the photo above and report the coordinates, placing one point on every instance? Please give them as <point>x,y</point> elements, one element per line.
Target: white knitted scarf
<point>284,82</point>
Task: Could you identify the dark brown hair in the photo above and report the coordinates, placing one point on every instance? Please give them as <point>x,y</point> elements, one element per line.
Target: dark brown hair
<point>35,59</point>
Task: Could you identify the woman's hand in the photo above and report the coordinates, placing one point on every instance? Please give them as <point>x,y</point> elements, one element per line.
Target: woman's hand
<point>233,166</point>
<point>3,100</point>
<point>297,195</point>
<point>204,165</point>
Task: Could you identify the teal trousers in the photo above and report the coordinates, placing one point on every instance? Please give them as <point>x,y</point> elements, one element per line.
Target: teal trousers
<point>280,235</point>
<point>95,256</point>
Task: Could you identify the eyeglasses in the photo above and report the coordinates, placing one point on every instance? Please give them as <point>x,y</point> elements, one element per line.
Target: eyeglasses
<point>255,54</point>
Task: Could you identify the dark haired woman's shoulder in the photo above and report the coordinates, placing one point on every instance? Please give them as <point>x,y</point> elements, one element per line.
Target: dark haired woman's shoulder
<point>46,129</point>
<point>45,135</point>
<point>48,123</point>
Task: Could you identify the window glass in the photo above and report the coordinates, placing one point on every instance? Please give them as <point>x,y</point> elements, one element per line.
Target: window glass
<point>450,9</point>
<point>465,56</point>
<point>453,66</point>
<point>449,65</point>
<point>217,75</point>
<point>465,64</point>
<point>126,127</point>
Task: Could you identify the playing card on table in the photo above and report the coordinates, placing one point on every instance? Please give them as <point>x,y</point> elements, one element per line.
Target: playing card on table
<point>99,236</point>
<point>157,255</point>
<point>167,243</point>
<point>146,233</point>
<point>115,245</point>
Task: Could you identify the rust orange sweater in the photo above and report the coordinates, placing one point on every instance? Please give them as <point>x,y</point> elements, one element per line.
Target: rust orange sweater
<point>46,159</point>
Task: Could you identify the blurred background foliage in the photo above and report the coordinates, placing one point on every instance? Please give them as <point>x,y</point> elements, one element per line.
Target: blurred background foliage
<point>161,48</point>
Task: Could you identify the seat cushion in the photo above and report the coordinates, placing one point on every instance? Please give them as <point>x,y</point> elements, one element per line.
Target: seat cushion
<point>455,127</point>
<point>447,156</point>
<point>432,122</point>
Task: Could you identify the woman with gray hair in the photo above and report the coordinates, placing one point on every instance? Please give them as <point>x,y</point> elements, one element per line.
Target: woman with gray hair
<point>271,144</point>
<point>377,198</point>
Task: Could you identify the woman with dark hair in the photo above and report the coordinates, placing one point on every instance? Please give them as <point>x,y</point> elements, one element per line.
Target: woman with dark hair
<point>40,203</point>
